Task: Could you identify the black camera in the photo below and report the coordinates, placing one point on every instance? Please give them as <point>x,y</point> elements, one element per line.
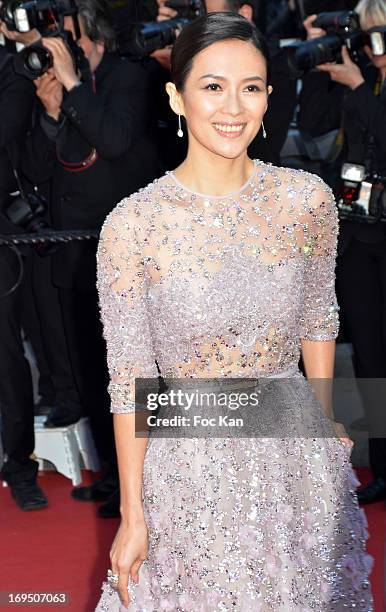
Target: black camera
<point>43,15</point>
<point>34,60</point>
<point>47,16</point>
<point>142,39</point>
<point>26,211</point>
<point>190,9</point>
<point>343,29</point>
<point>361,197</point>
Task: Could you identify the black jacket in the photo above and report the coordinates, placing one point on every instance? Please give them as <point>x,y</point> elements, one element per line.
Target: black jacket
<point>116,120</point>
<point>16,102</point>
<point>325,105</point>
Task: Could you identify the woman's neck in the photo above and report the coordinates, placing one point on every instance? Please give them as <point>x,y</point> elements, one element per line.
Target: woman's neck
<point>212,174</point>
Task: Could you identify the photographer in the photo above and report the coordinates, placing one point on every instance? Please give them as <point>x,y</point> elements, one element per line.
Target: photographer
<point>41,316</point>
<point>16,393</point>
<point>92,140</point>
<point>352,97</point>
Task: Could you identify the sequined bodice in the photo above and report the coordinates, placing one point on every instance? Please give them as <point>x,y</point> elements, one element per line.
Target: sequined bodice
<point>217,286</point>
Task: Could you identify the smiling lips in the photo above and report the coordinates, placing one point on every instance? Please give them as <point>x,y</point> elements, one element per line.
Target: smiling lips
<point>229,130</point>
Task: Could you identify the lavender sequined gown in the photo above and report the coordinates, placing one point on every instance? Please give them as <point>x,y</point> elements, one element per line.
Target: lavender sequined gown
<point>227,287</point>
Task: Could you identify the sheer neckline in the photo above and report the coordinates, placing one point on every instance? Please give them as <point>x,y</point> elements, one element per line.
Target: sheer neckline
<point>226,196</point>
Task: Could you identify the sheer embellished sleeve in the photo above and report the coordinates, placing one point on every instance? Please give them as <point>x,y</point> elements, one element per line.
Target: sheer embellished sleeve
<point>320,317</point>
<point>122,288</point>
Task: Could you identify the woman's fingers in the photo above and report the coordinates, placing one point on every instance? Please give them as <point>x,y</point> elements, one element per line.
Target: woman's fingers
<point>128,551</point>
<point>135,569</point>
<point>123,580</point>
<point>122,587</point>
<point>341,433</point>
<point>347,441</point>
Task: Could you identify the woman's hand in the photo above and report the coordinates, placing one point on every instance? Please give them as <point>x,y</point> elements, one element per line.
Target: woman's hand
<point>63,64</point>
<point>50,93</point>
<point>347,73</point>
<point>342,434</point>
<point>128,551</point>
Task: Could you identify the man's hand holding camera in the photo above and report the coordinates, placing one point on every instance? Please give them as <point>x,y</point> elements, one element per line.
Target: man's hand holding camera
<point>49,87</point>
<point>163,55</point>
<point>50,92</point>
<point>311,31</point>
<point>347,73</point>
<point>164,12</point>
<point>63,63</point>
<point>25,38</point>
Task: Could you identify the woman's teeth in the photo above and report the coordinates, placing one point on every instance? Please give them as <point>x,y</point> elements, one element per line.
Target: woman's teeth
<point>228,128</point>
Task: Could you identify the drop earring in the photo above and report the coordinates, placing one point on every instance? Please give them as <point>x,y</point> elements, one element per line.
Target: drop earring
<point>180,133</point>
<point>264,132</point>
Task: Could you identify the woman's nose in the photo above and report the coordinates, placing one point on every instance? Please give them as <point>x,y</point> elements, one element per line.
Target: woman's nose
<point>233,104</point>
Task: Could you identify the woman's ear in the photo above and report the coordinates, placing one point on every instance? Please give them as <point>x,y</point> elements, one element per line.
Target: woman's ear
<point>269,91</point>
<point>246,11</point>
<point>175,99</point>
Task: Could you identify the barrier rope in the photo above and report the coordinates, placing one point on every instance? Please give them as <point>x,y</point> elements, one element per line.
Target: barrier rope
<point>51,236</point>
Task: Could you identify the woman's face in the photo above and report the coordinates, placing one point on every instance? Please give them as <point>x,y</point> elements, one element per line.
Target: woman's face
<point>225,97</point>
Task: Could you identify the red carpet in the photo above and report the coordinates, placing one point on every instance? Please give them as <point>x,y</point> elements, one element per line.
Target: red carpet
<point>65,547</point>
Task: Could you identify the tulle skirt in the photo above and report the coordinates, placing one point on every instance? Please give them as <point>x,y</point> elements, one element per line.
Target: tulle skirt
<point>267,523</point>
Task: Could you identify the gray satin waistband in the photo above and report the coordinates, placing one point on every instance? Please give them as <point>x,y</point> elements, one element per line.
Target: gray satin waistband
<point>228,382</point>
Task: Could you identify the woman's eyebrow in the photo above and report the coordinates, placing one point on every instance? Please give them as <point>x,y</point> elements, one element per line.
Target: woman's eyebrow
<point>213,76</point>
<point>221,78</point>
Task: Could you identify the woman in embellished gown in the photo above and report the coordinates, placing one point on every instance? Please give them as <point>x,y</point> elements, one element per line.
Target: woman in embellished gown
<point>225,268</point>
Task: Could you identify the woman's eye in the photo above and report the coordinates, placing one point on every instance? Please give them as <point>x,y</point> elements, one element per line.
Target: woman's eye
<point>253,88</point>
<point>213,86</point>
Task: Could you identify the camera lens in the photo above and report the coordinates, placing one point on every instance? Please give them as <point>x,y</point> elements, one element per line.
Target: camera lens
<point>33,61</point>
<point>37,60</point>
<point>318,51</point>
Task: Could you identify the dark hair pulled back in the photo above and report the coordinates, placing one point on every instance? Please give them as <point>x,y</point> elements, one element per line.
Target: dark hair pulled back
<point>204,32</point>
